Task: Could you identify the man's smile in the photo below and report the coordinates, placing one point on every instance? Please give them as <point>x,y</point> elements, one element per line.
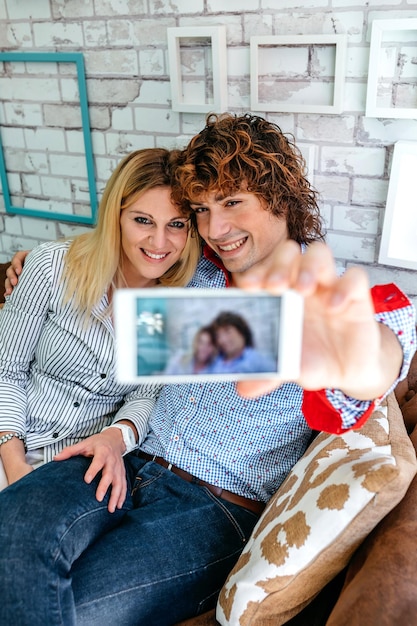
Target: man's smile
<point>232,246</point>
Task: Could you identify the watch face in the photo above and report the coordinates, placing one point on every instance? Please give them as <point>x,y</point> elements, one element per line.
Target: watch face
<point>128,436</point>
<point>131,436</point>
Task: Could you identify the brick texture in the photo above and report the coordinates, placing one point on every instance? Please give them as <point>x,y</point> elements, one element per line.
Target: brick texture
<point>124,43</point>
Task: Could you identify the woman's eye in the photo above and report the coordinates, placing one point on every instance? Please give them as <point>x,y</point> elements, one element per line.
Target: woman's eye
<point>142,220</point>
<point>178,225</point>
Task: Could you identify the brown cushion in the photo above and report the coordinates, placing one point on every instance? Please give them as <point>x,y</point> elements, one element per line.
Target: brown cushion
<point>406,394</point>
<point>331,500</point>
<point>381,581</point>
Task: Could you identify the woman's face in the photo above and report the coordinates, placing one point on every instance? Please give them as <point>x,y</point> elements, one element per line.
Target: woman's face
<point>154,234</point>
<point>204,348</point>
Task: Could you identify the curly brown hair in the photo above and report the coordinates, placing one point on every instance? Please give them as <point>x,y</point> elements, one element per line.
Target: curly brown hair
<point>249,153</point>
<point>227,318</point>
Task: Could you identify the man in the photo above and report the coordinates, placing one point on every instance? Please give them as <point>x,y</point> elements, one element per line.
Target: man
<point>235,343</point>
<point>215,453</point>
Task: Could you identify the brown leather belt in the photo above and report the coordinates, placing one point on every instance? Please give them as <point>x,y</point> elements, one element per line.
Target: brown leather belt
<point>253,505</point>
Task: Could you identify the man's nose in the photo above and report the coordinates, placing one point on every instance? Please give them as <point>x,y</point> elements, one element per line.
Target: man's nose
<point>219,225</point>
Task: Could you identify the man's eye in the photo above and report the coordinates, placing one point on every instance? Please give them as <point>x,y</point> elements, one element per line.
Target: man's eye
<point>232,202</point>
<point>201,209</point>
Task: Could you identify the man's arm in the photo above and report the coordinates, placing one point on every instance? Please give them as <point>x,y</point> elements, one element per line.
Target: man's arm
<point>345,347</point>
<point>13,272</point>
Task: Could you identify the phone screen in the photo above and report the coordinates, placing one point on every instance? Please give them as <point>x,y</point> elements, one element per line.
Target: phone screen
<point>180,334</point>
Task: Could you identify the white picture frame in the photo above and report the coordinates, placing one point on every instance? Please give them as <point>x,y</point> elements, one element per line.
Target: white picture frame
<point>336,105</point>
<point>217,36</point>
<point>308,151</point>
<point>399,232</point>
<point>380,28</point>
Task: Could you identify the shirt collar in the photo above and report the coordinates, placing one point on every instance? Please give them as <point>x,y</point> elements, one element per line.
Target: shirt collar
<point>212,256</point>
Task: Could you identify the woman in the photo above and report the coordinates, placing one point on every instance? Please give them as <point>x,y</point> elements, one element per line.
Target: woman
<point>57,377</point>
<point>204,351</point>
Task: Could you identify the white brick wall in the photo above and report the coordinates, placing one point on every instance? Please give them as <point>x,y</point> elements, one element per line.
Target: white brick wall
<point>125,50</point>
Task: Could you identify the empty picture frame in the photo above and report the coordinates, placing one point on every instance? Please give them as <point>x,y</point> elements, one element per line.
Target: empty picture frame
<point>198,80</point>
<point>399,232</point>
<point>302,89</point>
<point>55,179</point>
<point>392,73</point>
<point>308,151</point>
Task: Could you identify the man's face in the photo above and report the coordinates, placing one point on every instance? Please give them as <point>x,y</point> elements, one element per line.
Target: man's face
<point>230,341</point>
<point>240,230</point>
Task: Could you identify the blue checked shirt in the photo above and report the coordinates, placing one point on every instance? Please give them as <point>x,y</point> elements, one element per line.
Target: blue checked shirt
<point>248,446</point>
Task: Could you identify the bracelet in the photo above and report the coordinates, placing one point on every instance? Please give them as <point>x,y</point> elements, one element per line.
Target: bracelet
<point>8,436</point>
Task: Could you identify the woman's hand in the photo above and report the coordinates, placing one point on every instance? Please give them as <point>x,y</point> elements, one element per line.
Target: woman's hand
<point>106,449</point>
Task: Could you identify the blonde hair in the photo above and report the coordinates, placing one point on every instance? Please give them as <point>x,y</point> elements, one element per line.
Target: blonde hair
<point>93,261</point>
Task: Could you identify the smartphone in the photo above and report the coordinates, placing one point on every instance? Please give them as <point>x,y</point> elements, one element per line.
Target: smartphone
<point>174,335</point>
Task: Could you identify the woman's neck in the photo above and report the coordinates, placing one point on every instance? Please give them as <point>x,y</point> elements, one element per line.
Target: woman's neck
<point>134,280</point>
<point>141,282</point>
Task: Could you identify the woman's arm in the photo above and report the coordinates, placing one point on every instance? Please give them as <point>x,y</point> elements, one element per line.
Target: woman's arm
<point>12,454</point>
<point>21,324</point>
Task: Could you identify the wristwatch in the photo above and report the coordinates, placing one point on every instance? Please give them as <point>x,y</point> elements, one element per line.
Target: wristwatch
<point>129,438</point>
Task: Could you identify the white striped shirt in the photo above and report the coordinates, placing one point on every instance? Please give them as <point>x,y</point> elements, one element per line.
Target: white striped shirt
<point>57,373</point>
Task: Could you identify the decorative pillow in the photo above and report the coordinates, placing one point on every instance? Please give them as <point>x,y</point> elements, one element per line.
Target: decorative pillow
<point>331,500</point>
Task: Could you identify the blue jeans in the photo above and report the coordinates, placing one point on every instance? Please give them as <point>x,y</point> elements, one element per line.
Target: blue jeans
<point>64,559</point>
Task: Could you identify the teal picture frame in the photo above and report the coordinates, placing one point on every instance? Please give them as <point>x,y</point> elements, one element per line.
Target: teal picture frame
<point>56,57</point>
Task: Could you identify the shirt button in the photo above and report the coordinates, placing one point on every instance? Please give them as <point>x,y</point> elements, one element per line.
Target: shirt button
<point>103,375</point>
<point>192,399</point>
<point>76,404</point>
<point>176,437</point>
<point>55,435</point>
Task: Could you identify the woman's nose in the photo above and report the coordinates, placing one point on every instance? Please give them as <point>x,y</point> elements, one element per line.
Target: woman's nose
<point>157,238</point>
